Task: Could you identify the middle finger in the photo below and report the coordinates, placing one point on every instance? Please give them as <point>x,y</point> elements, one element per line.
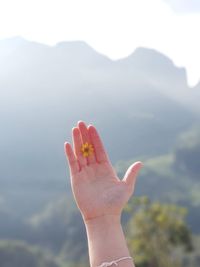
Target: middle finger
<point>86,139</point>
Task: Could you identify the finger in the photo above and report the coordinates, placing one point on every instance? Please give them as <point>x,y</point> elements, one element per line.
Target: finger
<point>131,174</point>
<point>77,143</point>
<point>100,152</point>
<point>72,161</point>
<point>86,139</point>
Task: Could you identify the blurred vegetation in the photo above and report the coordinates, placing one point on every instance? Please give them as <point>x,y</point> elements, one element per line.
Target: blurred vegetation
<point>20,254</point>
<point>60,228</point>
<point>155,231</point>
<point>187,160</point>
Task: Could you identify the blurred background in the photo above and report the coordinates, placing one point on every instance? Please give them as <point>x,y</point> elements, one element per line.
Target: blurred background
<point>131,68</point>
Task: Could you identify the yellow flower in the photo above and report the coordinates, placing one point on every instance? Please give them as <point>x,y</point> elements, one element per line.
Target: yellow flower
<point>87,149</point>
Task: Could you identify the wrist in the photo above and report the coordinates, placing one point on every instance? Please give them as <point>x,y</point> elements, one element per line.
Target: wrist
<point>105,237</point>
<point>103,221</point>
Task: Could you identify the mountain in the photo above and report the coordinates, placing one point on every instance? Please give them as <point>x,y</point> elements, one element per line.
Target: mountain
<point>139,104</point>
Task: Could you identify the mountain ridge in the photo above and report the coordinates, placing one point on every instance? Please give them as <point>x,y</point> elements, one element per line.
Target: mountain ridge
<point>144,54</point>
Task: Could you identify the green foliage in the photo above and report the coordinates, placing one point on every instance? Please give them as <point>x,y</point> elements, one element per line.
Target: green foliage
<point>154,231</point>
<point>20,254</point>
<point>60,228</point>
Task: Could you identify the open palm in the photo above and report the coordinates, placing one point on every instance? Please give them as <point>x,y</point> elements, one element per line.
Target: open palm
<point>96,188</point>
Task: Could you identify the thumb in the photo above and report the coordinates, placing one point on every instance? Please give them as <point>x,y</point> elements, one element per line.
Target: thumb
<point>131,174</point>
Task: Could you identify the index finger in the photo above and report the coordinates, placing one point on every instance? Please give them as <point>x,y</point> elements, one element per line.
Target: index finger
<point>73,162</point>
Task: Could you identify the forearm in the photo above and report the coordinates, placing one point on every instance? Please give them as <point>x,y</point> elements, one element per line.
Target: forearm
<point>106,241</point>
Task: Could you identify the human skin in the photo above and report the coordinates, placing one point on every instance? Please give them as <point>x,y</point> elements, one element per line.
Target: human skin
<point>100,196</point>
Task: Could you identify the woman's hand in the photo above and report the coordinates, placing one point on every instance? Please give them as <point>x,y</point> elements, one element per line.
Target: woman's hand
<point>97,189</point>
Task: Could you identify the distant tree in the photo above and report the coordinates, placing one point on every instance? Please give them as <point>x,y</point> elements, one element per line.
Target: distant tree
<point>20,254</point>
<point>155,231</point>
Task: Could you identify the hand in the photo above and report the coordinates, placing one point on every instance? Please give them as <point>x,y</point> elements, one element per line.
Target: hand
<point>97,189</point>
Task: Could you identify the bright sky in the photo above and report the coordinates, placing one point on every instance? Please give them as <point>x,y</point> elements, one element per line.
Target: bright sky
<point>112,27</point>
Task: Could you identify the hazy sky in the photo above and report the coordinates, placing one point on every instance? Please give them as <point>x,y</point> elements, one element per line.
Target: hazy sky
<point>112,27</point>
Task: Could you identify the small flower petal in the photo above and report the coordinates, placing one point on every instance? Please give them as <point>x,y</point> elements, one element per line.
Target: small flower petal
<point>87,149</point>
